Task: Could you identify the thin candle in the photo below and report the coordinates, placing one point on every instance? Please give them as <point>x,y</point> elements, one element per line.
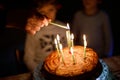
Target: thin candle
<point>56,45</point>
<point>58,38</point>
<point>71,50</point>
<point>68,27</point>
<point>72,40</point>
<point>85,44</point>
<point>68,35</point>
<point>62,53</point>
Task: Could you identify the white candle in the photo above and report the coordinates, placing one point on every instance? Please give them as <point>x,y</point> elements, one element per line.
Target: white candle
<point>68,27</point>
<point>56,45</point>
<point>58,38</point>
<point>85,44</point>
<point>72,40</point>
<point>72,52</point>
<point>68,35</point>
<point>61,50</point>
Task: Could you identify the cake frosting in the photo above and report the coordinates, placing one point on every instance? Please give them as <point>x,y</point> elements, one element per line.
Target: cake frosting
<point>85,66</point>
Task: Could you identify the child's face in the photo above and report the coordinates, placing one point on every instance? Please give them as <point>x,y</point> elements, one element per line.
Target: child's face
<point>48,10</point>
<point>90,4</point>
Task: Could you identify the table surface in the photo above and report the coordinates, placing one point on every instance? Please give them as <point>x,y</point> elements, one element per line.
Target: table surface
<point>114,65</point>
<point>112,62</point>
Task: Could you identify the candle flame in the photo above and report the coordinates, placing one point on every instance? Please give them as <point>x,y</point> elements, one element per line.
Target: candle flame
<point>55,41</point>
<point>68,26</point>
<point>60,46</point>
<point>72,36</point>
<point>84,38</point>
<point>72,42</point>
<point>58,38</point>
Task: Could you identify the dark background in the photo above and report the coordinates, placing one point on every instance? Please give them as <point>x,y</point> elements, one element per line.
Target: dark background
<point>65,14</point>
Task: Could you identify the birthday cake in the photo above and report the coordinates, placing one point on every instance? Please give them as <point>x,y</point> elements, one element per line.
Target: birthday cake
<point>84,66</point>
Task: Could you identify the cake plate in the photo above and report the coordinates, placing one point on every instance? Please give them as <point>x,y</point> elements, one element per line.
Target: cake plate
<point>105,75</point>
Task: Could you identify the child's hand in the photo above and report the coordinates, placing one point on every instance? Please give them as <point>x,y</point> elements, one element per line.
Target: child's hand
<point>35,25</point>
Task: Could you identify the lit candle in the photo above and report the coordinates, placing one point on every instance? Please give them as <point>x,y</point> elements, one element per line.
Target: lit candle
<point>72,40</point>
<point>61,53</point>
<point>85,44</point>
<point>58,38</point>
<point>68,35</point>
<point>68,27</point>
<point>56,45</point>
<point>71,50</point>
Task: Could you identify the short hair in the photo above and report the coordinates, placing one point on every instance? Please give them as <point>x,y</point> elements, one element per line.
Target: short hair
<point>33,13</point>
<point>37,14</point>
<point>41,3</point>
